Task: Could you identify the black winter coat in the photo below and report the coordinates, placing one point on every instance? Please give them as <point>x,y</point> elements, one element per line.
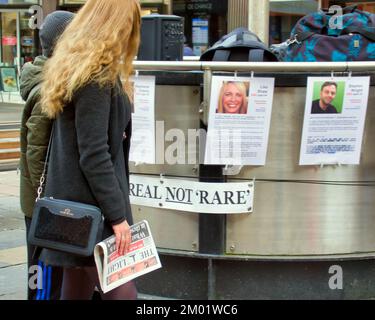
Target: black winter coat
<point>89,159</point>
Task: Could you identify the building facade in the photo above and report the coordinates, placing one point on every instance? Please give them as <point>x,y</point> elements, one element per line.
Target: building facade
<point>206,21</point>
<point>20,41</point>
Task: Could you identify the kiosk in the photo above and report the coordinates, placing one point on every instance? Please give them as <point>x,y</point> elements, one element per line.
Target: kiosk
<point>311,234</point>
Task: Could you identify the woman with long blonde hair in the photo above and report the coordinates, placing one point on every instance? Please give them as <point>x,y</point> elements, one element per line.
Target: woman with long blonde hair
<point>88,162</point>
<point>233,98</point>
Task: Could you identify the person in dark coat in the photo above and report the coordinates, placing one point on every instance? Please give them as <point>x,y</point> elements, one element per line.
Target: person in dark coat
<point>88,163</point>
<point>35,132</point>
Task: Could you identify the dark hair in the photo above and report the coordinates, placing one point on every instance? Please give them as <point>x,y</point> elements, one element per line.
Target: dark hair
<point>328,83</point>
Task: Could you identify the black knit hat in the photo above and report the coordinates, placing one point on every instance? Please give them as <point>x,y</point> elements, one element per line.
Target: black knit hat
<point>52,28</point>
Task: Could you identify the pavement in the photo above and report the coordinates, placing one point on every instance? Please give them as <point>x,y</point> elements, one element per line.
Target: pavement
<point>13,256</point>
<point>13,270</point>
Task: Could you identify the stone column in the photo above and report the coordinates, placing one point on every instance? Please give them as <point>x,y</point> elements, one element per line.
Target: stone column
<point>168,6</point>
<point>237,14</point>
<point>259,17</point>
<point>49,6</point>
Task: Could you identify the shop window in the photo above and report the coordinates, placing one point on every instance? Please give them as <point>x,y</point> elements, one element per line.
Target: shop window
<point>27,39</point>
<point>205,22</point>
<point>285,14</point>
<point>19,2</point>
<point>17,39</point>
<point>8,38</point>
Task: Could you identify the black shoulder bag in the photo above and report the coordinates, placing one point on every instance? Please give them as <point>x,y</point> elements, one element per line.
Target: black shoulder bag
<point>67,226</point>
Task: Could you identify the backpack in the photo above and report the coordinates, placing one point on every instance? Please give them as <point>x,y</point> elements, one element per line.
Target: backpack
<point>315,38</point>
<point>239,45</point>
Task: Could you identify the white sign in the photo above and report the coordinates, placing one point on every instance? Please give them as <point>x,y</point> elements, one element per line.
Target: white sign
<point>200,31</point>
<point>239,120</point>
<point>142,148</point>
<point>335,114</point>
<point>192,196</point>
<point>200,35</point>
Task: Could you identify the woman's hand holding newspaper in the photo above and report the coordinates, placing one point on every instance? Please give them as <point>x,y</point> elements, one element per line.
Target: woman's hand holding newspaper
<point>141,258</point>
<point>123,237</point>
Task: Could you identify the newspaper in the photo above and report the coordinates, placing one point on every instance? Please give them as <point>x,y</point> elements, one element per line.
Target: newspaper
<point>142,258</point>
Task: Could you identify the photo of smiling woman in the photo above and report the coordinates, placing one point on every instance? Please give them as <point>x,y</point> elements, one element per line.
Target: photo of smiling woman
<point>233,97</point>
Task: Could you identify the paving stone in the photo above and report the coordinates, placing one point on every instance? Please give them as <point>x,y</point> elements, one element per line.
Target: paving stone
<point>12,239</point>
<point>11,216</point>
<point>9,202</point>
<point>13,276</point>
<point>9,224</point>
<point>13,283</point>
<point>9,178</point>
<point>13,256</point>
<point>9,190</point>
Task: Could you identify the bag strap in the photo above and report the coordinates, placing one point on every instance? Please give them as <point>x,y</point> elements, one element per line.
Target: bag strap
<point>221,55</point>
<point>256,55</point>
<point>43,177</point>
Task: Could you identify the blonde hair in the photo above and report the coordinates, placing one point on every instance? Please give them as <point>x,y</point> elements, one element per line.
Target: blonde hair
<point>98,45</point>
<point>242,88</point>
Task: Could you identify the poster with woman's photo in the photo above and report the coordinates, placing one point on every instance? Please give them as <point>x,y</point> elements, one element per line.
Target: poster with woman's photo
<point>334,120</point>
<point>142,148</point>
<point>239,120</point>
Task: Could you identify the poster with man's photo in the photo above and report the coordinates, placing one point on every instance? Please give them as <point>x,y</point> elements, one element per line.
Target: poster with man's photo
<point>142,148</point>
<point>239,120</point>
<point>334,120</point>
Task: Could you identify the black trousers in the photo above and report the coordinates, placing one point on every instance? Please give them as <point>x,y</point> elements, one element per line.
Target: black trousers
<point>44,282</point>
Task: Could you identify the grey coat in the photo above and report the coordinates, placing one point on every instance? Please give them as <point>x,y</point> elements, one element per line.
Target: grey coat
<point>89,159</point>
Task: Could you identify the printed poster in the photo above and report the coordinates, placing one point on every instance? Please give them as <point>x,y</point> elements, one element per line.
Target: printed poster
<point>239,121</point>
<point>142,148</point>
<point>9,79</point>
<point>334,120</point>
